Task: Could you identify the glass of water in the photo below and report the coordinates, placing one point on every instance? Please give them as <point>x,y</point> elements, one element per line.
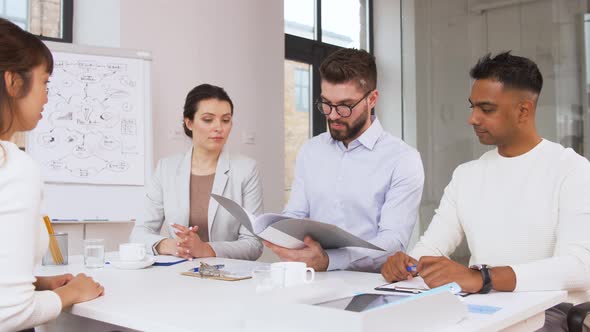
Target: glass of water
<point>94,253</point>
<point>269,278</point>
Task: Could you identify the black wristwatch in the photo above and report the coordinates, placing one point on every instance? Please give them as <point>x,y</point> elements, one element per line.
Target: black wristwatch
<point>485,275</point>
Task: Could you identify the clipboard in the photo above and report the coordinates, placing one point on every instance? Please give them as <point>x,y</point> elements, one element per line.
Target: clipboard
<point>224,278</point>
<point>414,287</point>
<point>399,289</point>
<point>410,291</point>
<point>229,271</point>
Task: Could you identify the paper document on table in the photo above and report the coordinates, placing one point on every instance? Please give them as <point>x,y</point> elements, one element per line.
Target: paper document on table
<point>414,286</point>
<point>289,232</point>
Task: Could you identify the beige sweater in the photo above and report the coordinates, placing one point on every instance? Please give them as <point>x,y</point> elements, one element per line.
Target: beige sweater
<point>530,212</point>
<point>23,241</point>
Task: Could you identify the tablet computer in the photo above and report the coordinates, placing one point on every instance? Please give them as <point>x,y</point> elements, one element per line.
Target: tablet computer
<point>362,302</point>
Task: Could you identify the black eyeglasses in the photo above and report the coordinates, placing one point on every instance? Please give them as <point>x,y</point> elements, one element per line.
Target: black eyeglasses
<point>342,109</point>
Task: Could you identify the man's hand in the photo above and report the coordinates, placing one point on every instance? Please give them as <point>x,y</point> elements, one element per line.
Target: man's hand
<point>395,268</point>
<point>53,282</point>
<point>438,271</point>
<point>313,254</point>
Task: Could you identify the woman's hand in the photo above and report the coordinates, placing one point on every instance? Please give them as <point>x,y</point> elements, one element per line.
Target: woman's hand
<point>52,282</point>
<point>80,288</point>
<point>167,247</point>
<point>189,243</point>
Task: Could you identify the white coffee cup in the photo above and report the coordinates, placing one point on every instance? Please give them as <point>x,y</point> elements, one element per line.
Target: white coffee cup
<point>295,273</point>
<point>132,251</point>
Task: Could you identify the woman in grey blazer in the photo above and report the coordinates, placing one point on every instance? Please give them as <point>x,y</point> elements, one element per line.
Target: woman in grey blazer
<point>178,195</point>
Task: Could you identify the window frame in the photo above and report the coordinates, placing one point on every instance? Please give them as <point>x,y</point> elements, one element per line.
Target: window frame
<point>67,27</point>
<point>302,75</point>
<point>14,19</point>
<point>67,21</point>
<point>313,52</point>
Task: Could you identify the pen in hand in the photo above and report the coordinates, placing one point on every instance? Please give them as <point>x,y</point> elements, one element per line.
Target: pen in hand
<point>413,269</point>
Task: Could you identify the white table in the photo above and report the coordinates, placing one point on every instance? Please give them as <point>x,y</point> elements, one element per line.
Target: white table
<point>160,299</point>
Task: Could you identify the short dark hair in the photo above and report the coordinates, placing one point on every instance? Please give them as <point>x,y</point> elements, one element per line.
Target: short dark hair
<point>21,53</point>
<point>350,64</point>
<point>511,70</point>
<point>198,94</point>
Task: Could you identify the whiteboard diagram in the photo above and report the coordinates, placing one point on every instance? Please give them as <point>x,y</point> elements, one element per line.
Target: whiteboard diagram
<point>92,129</point>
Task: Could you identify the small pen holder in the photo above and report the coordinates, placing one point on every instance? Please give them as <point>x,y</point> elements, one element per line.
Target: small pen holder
<point>57,253</point>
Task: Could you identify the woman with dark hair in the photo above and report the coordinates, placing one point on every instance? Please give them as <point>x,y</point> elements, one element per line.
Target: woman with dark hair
<point>26,301</point>
<point>179,194</point>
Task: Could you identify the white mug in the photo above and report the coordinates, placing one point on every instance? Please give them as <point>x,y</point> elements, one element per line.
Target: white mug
<point>132,251</point>
<point>295,273</point>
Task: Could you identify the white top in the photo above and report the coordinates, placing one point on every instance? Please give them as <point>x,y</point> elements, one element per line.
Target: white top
<point>530,212</point>
<point>371,188</point>
<point>23,242</point>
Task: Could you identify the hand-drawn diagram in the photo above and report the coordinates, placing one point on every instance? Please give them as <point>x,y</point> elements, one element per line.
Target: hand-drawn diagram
<point>92,126</point>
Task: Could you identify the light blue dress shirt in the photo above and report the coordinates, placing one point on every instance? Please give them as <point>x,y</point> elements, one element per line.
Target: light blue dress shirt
<point>371,189</point>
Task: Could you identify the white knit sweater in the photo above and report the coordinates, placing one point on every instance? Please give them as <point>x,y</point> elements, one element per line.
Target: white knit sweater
<point>23,241</point>
<point>530,212</point>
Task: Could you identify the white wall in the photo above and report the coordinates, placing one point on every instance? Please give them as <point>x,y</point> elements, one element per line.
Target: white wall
<point>97,23</point>
<point>238,45</point>
<point>235,44</point>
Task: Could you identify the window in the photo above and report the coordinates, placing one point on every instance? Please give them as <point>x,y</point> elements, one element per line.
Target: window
<point>16,11</point>
<point>341,23</point>
<point>344,23</point>
<point>299,18</point>
<point>302,101</point>
<point>297,115</point>
<point>313,30</point>
<point>50,19</point>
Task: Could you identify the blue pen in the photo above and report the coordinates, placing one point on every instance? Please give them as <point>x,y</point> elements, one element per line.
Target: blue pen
<point>218,266</point>
<point>411,268</point>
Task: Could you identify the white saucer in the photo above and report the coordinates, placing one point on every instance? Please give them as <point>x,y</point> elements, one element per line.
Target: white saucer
<point>132,265</point>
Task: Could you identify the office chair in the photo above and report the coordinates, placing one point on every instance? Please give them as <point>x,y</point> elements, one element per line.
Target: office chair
<point>578,318</point>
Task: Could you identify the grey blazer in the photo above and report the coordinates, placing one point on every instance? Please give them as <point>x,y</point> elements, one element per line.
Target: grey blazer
<point>167,202</point>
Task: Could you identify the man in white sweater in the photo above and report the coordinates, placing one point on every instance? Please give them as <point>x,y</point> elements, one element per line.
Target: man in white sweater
<point>523,207</point>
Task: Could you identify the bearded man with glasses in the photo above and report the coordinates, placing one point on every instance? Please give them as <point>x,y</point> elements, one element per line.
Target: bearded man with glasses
<point>357,177</point>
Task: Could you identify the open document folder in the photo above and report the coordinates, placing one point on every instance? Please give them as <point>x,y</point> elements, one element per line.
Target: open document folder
<point>288,232</point>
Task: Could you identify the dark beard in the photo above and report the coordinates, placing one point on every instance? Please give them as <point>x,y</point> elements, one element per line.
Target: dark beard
<point>349,131</point>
